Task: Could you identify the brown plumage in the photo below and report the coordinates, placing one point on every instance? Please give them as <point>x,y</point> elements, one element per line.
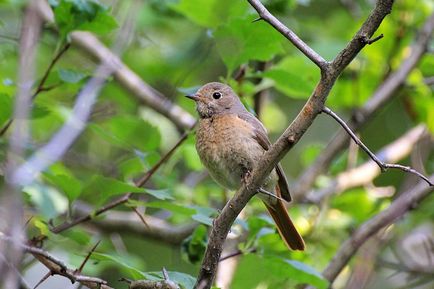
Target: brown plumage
<point>230,141</point>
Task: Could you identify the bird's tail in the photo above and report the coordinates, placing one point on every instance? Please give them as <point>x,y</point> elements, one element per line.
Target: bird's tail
<point>285,226</point>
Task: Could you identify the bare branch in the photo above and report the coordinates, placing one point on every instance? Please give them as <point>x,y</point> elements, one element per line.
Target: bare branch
<point>286,141</point>
<point>366,172</point>
<point>11,210</point>
<point>124,198</point>
<point>58,267</point>
<point>404,203</point>
<point>288,33</point>
<point>384,93</point>
<point>128,223</point>
<point>383,166</point>
<point>126,77</point>
<point>76,122</point>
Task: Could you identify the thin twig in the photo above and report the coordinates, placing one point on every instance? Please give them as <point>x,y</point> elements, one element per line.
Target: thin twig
<point>383,166</point>
<point>124,198</point>
<point>382,95</point>
<point>265,15</point>
<point>40,87</point>
<point>80,269</point>
<point>238,253</point>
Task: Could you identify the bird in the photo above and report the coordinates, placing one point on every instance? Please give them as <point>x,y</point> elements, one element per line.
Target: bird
<point>230,141</point>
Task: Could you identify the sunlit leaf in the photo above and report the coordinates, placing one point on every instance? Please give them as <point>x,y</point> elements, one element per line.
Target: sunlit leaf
<point>240,40</point>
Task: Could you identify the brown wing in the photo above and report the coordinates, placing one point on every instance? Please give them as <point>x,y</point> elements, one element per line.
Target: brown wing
<point>262,138</point>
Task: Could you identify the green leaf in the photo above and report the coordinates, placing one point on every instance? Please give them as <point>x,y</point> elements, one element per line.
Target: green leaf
<point>193,247</point>
<point>170,206</point>
<point>276,272</point>
<point>160,194</point>
<point>191,157</point>
<point>211,13</point>
<point>103,188</point>
<point>5,107</point>
<point>87,15</point>
<point>293,76</point>
<point>184,280</point>
<point>47,200</point>
<point>69,185</point>
<point>240,40</point>
<point>203,215</point>
<point>103,23</point>
<point>120,262</point>
<point>70,76</point>
<point>129,131</point>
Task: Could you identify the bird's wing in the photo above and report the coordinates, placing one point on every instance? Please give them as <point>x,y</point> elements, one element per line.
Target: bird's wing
<point>260,134</point>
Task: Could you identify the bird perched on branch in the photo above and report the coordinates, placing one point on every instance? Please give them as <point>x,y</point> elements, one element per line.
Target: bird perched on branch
<point>230,141</point>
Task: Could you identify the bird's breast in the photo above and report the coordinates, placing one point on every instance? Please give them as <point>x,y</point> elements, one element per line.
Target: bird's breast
<point>227,147</point>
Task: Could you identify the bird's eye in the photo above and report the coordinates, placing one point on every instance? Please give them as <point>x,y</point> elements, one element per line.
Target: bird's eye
<point>216,95</point>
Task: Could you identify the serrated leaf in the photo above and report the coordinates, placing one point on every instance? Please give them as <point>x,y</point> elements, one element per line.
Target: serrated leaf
<point>240,40</point>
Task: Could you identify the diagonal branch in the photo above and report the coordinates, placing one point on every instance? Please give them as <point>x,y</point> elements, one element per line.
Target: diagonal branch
<point>125,76</point>
<point>383,165</point>
<point>404,203</point>
<point>58,267</point>
<point>124,198</point>
<point>366,172</point>
<point>384,93</point>
<point>289,34</point>
<point>286,141</point>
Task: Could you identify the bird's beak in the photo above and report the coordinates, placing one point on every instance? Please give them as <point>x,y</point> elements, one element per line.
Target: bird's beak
<point>194,97</point>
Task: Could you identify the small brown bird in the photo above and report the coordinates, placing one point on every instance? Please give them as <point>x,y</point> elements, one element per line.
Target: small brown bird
<point>230,141</point>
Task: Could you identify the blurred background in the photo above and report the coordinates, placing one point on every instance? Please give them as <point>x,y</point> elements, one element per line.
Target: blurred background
<point>176,47</point>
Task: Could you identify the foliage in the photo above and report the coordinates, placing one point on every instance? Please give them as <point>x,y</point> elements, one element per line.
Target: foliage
<point>178,46</point>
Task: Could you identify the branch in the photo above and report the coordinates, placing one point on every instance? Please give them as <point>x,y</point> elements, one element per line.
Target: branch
<point>127,223</point>
<point>58,267</point>
<point>366,172</point>
<point>41,86</point>
<point>264,14</point>
<point>404,203</point>
<point>124,198</point>
<point>76,122</point>
<point>126,77</point>
<point>383,166</point>
<point>384,93</point>
<point>286,141</point>
<point>11,208</point>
